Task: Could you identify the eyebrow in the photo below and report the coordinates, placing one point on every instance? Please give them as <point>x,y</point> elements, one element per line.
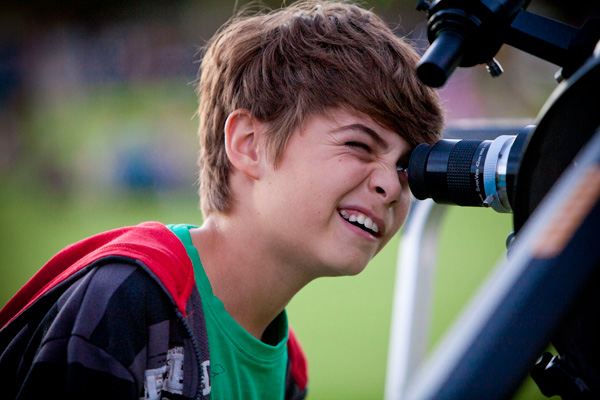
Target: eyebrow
<point>365,129</point>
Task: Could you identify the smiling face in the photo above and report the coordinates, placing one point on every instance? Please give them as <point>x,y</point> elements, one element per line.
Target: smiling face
<point>335,197</point>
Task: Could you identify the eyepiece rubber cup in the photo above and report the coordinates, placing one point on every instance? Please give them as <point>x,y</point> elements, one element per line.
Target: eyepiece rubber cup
<point>416,167</point>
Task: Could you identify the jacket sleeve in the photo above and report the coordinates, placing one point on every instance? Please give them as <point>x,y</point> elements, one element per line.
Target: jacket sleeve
<point>92,342</point>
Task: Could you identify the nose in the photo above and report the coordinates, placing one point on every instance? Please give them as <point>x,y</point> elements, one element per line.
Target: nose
<point>385,181</point>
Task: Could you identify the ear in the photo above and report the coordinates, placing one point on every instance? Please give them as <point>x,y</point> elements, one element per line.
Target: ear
<point>242,133</point>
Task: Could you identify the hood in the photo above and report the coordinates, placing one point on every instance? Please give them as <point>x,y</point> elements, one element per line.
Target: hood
<point>151,243</point>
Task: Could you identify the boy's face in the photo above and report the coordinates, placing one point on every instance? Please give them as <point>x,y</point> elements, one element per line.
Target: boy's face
<point>336,197</point>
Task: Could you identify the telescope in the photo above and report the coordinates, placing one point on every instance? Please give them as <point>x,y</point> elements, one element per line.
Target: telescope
<point>517,171</point>
<point>478,173</point>
<point>548,176</point>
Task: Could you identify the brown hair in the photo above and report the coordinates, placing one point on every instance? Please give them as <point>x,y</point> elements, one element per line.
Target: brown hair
<point>300,60</point>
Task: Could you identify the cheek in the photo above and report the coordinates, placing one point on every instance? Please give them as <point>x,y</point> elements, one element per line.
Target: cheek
<point>401,212</point>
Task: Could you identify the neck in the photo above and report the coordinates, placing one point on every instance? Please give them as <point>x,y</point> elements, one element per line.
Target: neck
<point>252,283</point>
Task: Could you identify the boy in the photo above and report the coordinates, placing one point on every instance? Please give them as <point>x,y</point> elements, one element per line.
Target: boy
<point>307,117</point>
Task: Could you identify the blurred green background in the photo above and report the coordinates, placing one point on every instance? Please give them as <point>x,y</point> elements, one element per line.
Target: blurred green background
<point>97,131</point>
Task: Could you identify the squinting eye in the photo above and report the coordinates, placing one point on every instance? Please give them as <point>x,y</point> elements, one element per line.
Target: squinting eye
<point>359,145</point>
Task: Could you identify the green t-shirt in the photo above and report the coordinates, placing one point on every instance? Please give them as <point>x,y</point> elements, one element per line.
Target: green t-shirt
<point>242,367</point>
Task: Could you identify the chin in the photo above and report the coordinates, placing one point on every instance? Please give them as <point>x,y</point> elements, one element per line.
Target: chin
<point>346,270</point>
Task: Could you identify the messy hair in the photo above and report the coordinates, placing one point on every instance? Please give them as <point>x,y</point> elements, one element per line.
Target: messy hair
<point>300,60</point>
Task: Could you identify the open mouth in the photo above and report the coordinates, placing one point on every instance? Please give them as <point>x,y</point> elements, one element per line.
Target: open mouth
<point>362,221</point>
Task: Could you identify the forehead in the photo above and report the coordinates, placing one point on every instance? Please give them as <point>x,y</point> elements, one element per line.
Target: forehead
<point>319,131</point>
<point>347,119</point>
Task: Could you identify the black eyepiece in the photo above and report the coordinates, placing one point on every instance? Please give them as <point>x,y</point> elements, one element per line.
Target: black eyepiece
<point>477,173</point>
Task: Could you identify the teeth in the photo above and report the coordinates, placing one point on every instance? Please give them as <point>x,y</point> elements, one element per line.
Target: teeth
<point>361,219</point>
